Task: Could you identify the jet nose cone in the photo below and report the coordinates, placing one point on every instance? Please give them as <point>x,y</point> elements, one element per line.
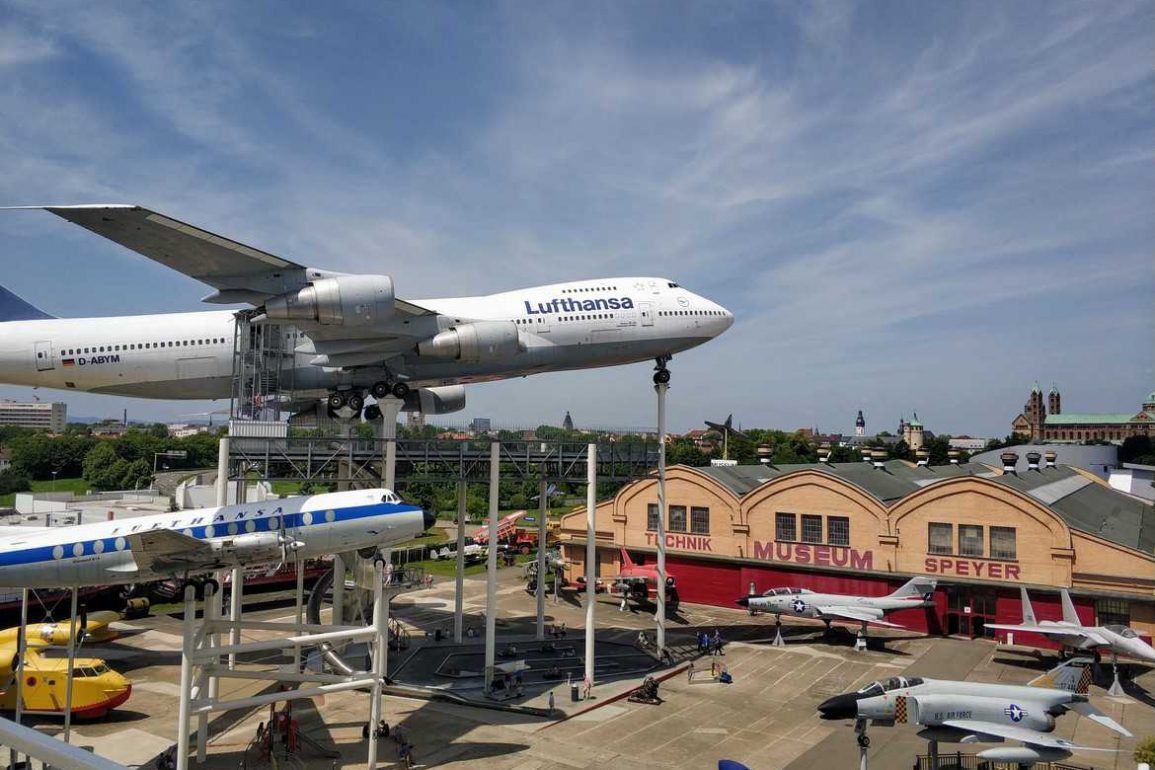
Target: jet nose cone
<point>743,602</point>
<point>843,706</point>
<point>430,518</point>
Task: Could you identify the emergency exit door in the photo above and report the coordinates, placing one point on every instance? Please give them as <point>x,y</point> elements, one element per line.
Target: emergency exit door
<point>44,360</point>
<point>646,309</point>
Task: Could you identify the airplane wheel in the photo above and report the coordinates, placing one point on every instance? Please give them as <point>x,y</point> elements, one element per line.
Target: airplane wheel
<point>400,390</point>
<point>380,389</point>
<point>336,400</point>
<point>524,550</point>
<point>368,552</point>
<point>355,402</point>
<point>662,376</point>
<point>372,413</point>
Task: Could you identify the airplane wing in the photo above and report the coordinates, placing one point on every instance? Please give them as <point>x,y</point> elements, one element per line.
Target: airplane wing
<point>856,614</point>
<point>1020,734</point>
<point>1095,715</point>
<point>163,550</point>
<point>239,273</point>
<point>1084,632</point>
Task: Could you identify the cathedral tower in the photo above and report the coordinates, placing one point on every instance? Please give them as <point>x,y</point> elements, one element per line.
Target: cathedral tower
<point>860,425</point>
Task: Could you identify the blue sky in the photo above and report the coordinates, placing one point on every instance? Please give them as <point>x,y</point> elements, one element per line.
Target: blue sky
<point>909,206</point>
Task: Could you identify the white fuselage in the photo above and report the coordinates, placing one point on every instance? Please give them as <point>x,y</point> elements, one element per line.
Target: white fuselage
<point>239,535</point>
<point>1119,639</point>
<point>575,325</point>
<point>805,604</point>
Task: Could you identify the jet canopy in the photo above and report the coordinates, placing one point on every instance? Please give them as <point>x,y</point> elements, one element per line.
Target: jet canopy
<point>786,591</point>
<point>886,685</point>
<point>1124,631</point>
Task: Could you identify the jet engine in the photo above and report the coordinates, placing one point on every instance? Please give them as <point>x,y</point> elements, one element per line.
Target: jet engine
<point>252,548</point>
<point>480,341</point>
<point>440,400</point>
<point>343,300</point>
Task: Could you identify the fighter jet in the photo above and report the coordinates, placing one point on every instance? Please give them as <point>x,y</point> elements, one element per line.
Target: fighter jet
<point>726,430</point>
<point>1072,634</point>
<point>979,712</point>
<point>804,603</point>
<point>635,580</point>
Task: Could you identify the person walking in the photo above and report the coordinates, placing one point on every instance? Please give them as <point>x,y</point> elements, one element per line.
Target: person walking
<point>690,673</point>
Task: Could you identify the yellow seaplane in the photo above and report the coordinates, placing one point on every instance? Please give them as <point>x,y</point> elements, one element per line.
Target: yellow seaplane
<point>96,688</point>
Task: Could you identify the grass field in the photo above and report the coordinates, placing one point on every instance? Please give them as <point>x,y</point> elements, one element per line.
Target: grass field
<point>79,486</point>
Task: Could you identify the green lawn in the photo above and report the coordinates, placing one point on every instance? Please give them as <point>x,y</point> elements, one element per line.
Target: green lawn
<point>79,486</point>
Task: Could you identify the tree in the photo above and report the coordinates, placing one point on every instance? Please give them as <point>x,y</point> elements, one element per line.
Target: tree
<point>1137,449</point>
<point>1145,751</point>
<point>158,430</point>
<point>13,481</point>
<point>103,467</point>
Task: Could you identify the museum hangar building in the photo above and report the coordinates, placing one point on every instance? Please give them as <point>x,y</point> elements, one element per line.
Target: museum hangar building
<point>867,527</point>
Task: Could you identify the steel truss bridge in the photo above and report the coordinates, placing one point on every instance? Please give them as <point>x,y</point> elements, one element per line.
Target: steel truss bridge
<point>359,462</point>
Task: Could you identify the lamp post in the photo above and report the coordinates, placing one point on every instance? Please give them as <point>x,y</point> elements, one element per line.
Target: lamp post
<point>54,480</point>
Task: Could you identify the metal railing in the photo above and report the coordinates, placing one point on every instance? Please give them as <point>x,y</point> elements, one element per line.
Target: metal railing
<point>959,761</point>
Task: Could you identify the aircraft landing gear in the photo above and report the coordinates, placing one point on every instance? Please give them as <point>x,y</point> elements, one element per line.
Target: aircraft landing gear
<point>778,640</point>
<point>385,388</point>
<point>661,373</point>
<point>860,639</point>
<point>336,400</point>
<point>863,741</point>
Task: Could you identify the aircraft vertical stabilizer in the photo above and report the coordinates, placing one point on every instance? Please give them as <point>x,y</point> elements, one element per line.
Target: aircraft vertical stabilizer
<point>1072,675</point>
<point>1028,610</point>
<point>1069,614</point>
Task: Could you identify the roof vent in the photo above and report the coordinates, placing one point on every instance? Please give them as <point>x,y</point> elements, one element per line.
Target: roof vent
<point>824,453</point>
<point>1050,458</point>
<point>953,455</point>
<point>764,452</point>
<point>923,457</point>
<point>1010,460</point>
<point>878,458</point>
<point>1033,460</point>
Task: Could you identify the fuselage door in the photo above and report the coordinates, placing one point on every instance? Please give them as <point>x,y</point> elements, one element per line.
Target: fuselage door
<point>44,360</point>
<point>646,311</point>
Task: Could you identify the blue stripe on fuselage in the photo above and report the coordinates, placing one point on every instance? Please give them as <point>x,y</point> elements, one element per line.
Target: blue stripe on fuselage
<point>220,530</point>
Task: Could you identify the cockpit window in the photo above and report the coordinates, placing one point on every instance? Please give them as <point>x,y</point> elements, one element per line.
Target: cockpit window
<point>672,285</point>
<point>872,689</point>
<point>1123,631</point>
<point>892,684</point>
<point>914,681</point>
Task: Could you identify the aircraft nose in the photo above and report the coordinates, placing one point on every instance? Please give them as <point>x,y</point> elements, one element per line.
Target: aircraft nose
<point>843,706</point>
<point>743,602</point>
<point>430,518</point>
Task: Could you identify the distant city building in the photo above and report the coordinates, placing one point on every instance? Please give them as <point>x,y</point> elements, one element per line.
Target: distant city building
<point>481,425</point>
<point>184,430</point>
<point>52,416</point>
<point>860,425</point>
<point>567,423</point>
<point>912,432</point>
<point>1041,422</point>
<point>5,458</point>
<point>968,444</point>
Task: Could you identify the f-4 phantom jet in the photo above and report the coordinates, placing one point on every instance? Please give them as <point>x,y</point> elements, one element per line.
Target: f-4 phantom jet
<point>978,712</point>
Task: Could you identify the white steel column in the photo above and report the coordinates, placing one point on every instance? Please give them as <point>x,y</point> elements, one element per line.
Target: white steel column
<point>72,625</point>
<point>390,409</point>
<point>661,389</point>
<point>21,652</point>
<point>212,611</point>
<point>380,644</point>
<point>235,609</point>
<point>591,555</point>
<point>491,565</point>
<point>539,594</point>
<point>299,616</point>
<point>186,658</point>
<point>338,618</point>
<point>459,598</point>
<point>223,471</point>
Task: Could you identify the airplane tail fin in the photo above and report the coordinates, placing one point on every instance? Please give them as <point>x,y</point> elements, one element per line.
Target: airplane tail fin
<point>627,562</point>
<point>12,308</point>
<point>1028,610</point>
<point>1072,675</point>
<point>1069,614</point>
<point>916,586</point>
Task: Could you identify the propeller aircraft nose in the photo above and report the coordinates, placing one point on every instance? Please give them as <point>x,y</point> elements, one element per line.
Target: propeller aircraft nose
<point>743,602</point>
<point>430,518</point>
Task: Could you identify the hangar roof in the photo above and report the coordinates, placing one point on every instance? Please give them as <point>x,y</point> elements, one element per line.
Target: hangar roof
<point>1085,505</point>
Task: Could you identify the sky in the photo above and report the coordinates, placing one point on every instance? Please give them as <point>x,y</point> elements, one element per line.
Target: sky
<point>907,206</point>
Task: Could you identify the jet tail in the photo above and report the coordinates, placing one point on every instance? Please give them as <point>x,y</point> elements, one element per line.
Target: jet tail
<point>12,308</point>
<point>1069,614</point>
<point>627,562</point>
<point>1072,675</point>
<point>916,586</point>
<point>1028,610</point>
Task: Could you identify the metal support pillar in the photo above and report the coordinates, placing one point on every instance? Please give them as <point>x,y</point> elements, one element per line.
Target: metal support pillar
<point>186,665</point>
<point>21,653</point>
<point>236,609</point>
<point>860,725</point>
<point>212,611</point>
<point>591,556</point>
<point>72,623</point>
<point>380,645</point>
<point>539,594</point>
<point>778,640</point>
<point>1116,687</point>
<point>662,388</point>
<point>932,753</point>
<point>223,472</point>
<point>459,573</point>
<point>299,615</point>
<point>491,565</point>
<point>338,618</point>
<point>390,409</point>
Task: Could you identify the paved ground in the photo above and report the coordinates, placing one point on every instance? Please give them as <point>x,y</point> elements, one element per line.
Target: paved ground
<point>766,718</point>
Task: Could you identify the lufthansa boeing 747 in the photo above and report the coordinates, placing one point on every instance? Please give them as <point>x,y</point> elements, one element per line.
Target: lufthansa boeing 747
<point>351,335</point>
